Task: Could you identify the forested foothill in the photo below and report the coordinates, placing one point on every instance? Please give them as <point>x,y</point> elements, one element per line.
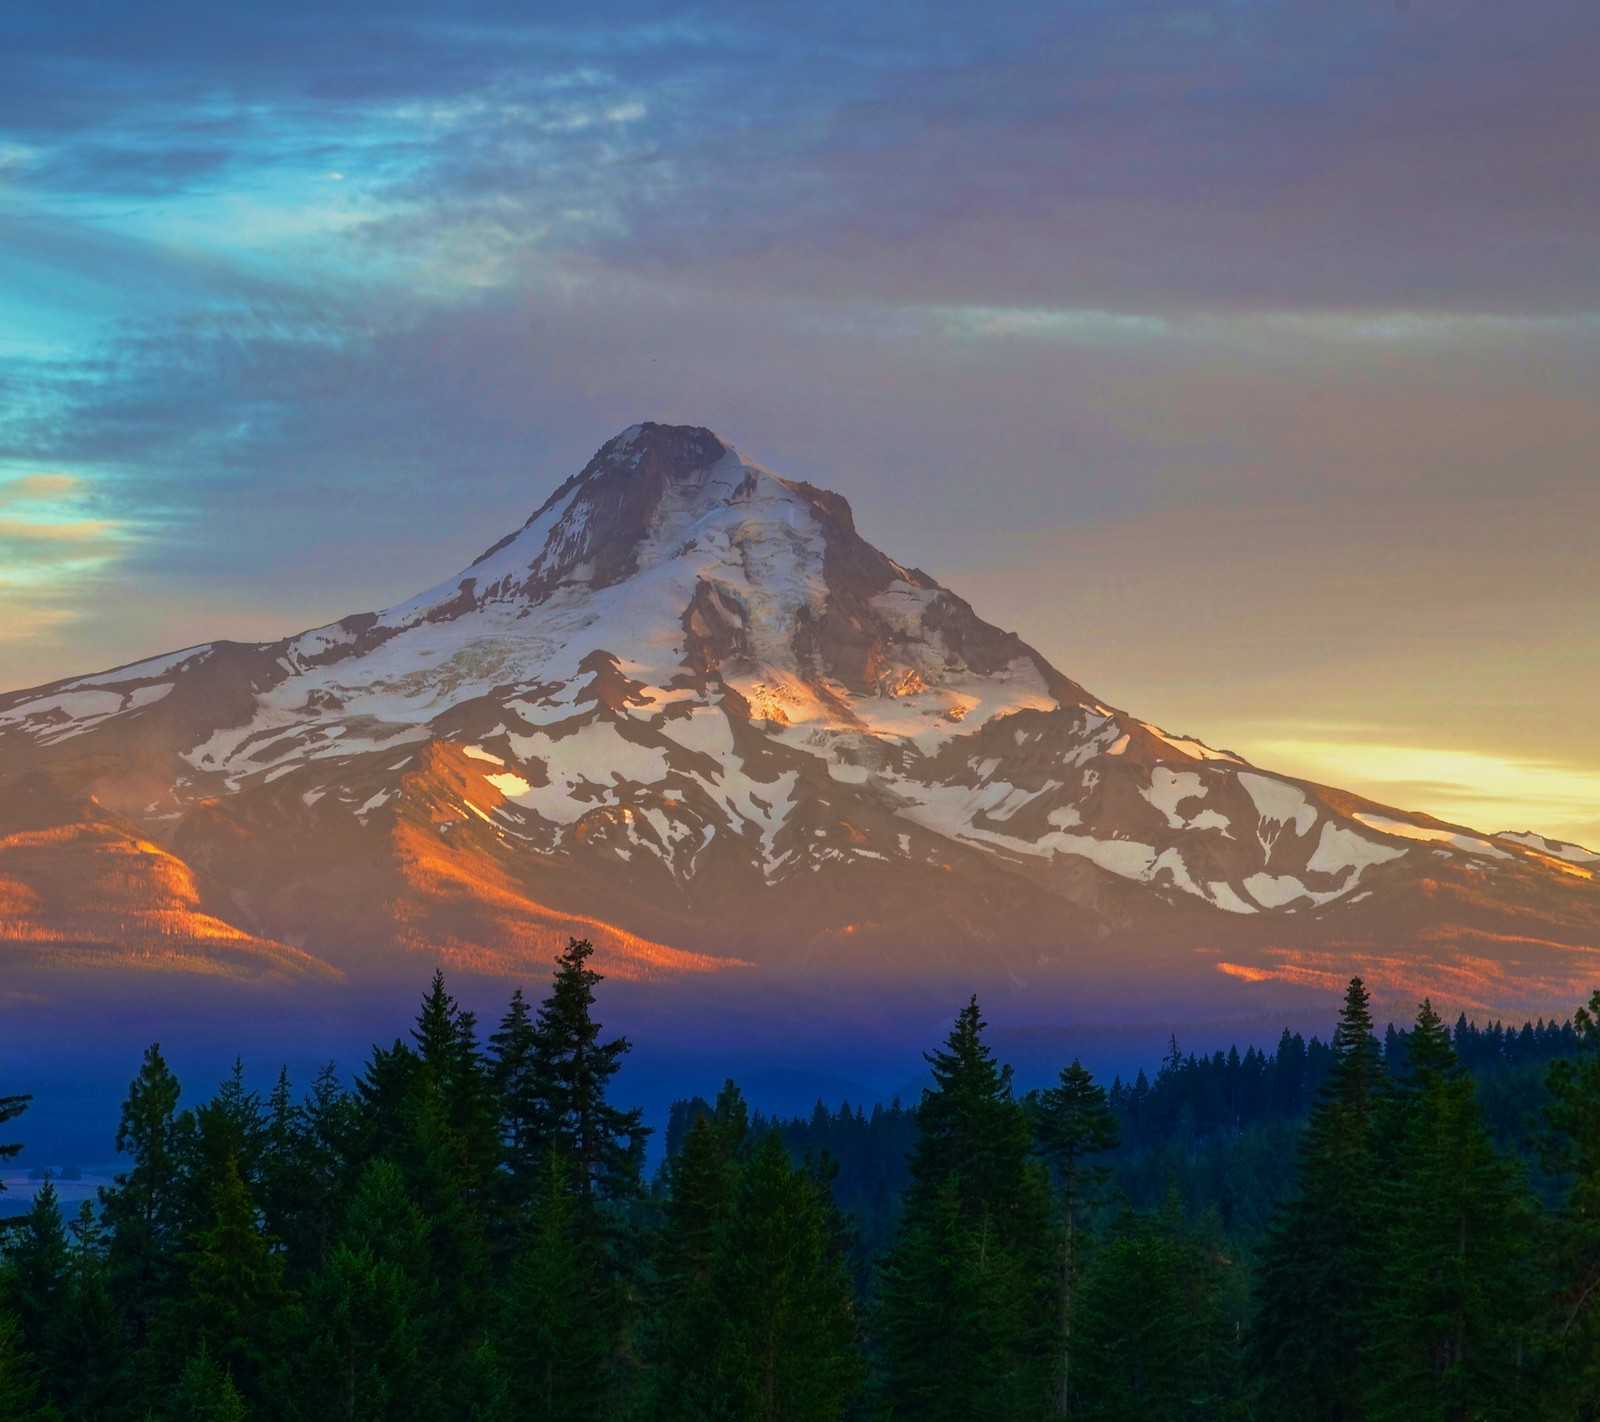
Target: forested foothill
<point>1358,1230</point>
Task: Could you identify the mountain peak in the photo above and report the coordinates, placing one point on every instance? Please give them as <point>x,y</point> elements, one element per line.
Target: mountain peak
<point>687,699</point>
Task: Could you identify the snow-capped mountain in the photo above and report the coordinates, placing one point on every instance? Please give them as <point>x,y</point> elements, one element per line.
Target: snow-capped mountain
<point>688,711</point>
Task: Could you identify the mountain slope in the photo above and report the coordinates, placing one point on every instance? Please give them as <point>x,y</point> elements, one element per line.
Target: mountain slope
<point>687,711</point>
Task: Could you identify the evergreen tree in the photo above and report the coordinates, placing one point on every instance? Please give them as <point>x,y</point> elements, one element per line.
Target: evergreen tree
<point>429,1110</point>
<point>525,1125</point>
<point>785,1291</point>
<point>97,1384</point>
<point>1072,1123</point>
<point>143,1209</point>
<point>371,1347</point>
<point>977,1229</point>
<point>1155,1344</point>
<point>1451,1284</point>
<point>700,1180</point>
<point>204,1393</point>
<point>549,1325</point>
<point>1572,1149</point>
<point>233,1303</point>
<point>18,1377</point>
<point>952,1306</point>
<point>1312,1327</point>
<point>365,1356</point>
<point>572,1071</point>
<point>33,1278</point>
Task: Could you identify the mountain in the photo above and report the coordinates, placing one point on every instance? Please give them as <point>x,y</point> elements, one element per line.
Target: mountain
<point>689,712</point>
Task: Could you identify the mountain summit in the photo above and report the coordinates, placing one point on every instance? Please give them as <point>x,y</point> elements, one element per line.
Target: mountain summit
<point>689,712</point>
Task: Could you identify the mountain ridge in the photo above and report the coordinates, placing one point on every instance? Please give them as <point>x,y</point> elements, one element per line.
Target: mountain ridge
<point>687,710</point>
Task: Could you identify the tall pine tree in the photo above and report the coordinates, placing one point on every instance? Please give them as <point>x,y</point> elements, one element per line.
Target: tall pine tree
<point>966,1295</point>
<point>1312,1329</point>
<point>1452,1296</point>
<point>1072,1123</point>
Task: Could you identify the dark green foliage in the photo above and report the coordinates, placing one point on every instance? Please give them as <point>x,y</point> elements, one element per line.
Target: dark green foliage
<point>752,1312</point>
<point>789,1341</point>
<point>232,1302</point>
<point>551,1322</point>
<point>701,1180</point>
<point>1452,1292</point>
<point>465,1236</point>
<point>1073,1126</point>
<point>571,1069</point>
<point>1155,1339</point>
<point>143,1209</point>
<point>1313,1324</point>
<point>966,1294</point>
<point>1572,1150</point>
<point>204,1393</point>
<point>19,1383</point>
<point>34,1276</point>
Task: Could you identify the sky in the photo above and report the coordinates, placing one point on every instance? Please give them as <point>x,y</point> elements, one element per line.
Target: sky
<point>1244,357</point>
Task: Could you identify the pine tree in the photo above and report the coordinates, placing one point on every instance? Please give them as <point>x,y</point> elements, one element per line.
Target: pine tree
<point>1572,1149</point>
<point>34,1284</point>
<point>371,1351</point>
<point>785,1287</point>
<point>1454,1232</point>
<point>572,1071</point>
<point>204,1393</point>
<point>701,1179</point>
<point>365,1356</point>
<point>233,1302</point>
<point>1155,1344</point>
<point>1311,1332</point>
<point>429,1109</point>
<point>977,1211</point>
<point>19,1391</point>
<point>952,1306</point>
<point>143,1209</point>
<point>1072,1122</point>
<point>561,1342</point>
<point>96,1387</point>
<point>525,1126</point>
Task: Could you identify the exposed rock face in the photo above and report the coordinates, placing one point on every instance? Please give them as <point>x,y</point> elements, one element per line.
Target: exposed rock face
<point>688,711</point>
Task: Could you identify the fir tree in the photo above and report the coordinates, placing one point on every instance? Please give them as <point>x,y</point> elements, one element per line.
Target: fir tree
<point>1451,1290</point>
<point>977,1211</point>
<point>785,1291</point>
<point>1572,1151</point>
<point>1155,1344</point>
<point>525,1125</point>
<point>96,1387</point>
<point>204,1393</point>
<point>233,1303</point>
<point>700,1179</point>
<point>370,1351</point>
<point>549,1323</point>
<point>1312,1327</point>
<point>33,1279</point>
<point>1072,1123</point>
<point>143,1209</point>
<point>572,1071</point>
<point>18,1377</point>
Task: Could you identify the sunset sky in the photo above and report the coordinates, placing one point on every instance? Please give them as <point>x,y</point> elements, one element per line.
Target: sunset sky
<point>1244,357</point>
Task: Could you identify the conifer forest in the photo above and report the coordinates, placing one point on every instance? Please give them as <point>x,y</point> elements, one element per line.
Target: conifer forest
<point>1394,1229</point>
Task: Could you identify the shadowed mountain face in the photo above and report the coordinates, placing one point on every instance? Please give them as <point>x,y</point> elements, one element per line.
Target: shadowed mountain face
<point>688,712</point>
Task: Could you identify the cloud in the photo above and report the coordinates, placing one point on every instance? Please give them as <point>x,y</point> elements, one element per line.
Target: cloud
<point>40,489</point>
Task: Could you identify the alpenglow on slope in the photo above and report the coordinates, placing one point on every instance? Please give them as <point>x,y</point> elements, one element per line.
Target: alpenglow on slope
<point>688,712</point>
